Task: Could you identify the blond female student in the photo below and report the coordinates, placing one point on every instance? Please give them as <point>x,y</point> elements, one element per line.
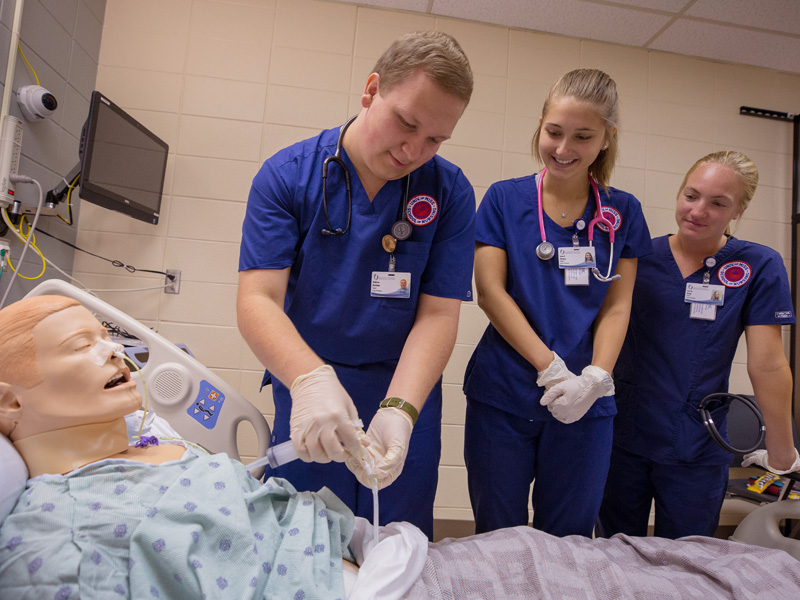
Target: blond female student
<point>680,347</point>
<point>538,387</point>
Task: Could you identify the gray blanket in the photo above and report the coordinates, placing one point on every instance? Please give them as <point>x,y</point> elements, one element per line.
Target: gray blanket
<point>525,563</point>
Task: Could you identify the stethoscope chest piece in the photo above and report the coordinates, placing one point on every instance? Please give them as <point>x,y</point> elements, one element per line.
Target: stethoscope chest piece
<point>545,250</point>
<point>401,230</point>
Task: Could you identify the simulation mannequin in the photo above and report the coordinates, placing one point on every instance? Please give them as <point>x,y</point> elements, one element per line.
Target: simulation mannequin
<point>164,520</point>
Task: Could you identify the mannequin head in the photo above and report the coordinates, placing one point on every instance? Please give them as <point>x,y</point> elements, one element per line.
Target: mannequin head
<point>48,379</point>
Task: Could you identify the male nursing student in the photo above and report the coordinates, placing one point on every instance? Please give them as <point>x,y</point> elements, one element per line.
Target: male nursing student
<point>319,260</point>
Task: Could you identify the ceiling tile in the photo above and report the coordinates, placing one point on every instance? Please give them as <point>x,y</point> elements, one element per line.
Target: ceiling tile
<point>673,6</point>
<point>567,17</point>
<point>772,15</point>
<point>730,44</point>
<point>415,5</point>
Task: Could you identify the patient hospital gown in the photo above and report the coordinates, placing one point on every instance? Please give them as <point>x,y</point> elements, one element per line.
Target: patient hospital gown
<point>199,527</point>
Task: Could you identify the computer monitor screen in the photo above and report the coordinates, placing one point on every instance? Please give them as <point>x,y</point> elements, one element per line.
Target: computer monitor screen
<point>122,162</point>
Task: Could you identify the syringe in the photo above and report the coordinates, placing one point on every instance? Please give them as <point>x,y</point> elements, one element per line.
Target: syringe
<point>282,453</point>
<point>276,456</point>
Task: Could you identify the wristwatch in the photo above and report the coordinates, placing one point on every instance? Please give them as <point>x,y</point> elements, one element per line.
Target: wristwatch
<point>406,407</point>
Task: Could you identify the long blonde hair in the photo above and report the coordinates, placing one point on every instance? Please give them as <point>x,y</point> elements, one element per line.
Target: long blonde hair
<point>598,89</point>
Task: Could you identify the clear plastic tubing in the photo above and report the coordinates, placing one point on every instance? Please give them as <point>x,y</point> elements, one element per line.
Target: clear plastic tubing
<point>370,470</point>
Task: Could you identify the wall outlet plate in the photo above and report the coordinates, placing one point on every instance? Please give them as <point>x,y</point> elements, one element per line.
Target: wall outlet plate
<point>173,286</point>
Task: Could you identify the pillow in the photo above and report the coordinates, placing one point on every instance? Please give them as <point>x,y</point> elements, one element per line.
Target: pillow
<point>13,474</point>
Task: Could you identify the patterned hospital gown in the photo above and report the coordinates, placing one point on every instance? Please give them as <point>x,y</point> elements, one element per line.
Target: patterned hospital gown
<point>200,527</point>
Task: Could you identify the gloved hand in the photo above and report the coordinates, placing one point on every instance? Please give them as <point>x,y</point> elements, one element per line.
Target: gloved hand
<point>388,436</point>
<point>569,400</point>
<point>760,458</point>
<point>556,372</point>
<point>321,425</point>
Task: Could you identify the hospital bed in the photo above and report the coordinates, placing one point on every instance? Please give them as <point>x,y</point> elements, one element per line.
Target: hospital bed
<point>199,404</point>
<point>511,563</point>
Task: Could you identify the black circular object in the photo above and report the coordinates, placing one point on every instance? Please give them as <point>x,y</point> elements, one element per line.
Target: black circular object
<point>727,398</point>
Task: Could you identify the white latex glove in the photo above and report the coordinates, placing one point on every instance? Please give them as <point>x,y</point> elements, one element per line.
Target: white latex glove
<point>388,436</point>
<point>760,458</point>
<point>556,372</point>
<point>321,425</point>
<point>569,400</point>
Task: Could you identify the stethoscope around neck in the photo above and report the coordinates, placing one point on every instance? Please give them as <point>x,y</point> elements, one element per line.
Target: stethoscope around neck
<point>545,250</point>
<point>401,230</point>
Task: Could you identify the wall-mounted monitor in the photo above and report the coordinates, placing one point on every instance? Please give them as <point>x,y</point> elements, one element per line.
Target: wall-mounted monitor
<point>122,163</point>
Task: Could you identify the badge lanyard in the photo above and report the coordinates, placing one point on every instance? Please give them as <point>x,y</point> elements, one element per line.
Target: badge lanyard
<point>391,283</point>
<point>704,298</point>
<point>577,260</point>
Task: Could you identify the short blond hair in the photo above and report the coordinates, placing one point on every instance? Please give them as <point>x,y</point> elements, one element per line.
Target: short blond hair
<point>436,54</point>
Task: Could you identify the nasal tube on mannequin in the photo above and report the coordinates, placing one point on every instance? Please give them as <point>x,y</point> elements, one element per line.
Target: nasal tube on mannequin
<point>104,350</point>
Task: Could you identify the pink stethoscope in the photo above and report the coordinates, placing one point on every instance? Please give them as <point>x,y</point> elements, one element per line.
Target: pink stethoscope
<point>545,250</point>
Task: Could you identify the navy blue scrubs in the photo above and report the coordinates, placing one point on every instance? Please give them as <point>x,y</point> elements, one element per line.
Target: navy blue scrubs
<point>668,364</point>
<point>328,297</point>
<point>510,439</point>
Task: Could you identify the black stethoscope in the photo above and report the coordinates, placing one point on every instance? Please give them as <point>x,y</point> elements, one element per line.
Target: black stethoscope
<point>727,398</point>
<point>545,250</point>
<point>401,230</point>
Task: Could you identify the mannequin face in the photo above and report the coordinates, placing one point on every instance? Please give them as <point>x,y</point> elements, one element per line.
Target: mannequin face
<point>73,390</point>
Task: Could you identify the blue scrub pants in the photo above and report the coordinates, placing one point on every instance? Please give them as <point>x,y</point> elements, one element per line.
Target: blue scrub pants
<point>504,453</point>
<point>688,498</point>
<point>410,497</point>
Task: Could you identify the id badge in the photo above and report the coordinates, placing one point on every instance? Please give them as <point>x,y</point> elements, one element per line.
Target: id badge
<point>570,257</point>
<point>576,276</point>
<point>704,312</point>
<point>390,284</point>
<point>703,293</point>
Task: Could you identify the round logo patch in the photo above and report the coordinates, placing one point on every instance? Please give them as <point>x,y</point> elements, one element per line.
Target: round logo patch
<point>734,274</point>
<point>422,210</point>
<point>612,216</point>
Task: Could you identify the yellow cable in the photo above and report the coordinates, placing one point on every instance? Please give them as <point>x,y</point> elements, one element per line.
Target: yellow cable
<point>19,47</point>
<point>24,239</point>
<point>70,186</point>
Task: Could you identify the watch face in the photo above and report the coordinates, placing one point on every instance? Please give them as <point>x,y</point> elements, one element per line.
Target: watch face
<point>401,230</point>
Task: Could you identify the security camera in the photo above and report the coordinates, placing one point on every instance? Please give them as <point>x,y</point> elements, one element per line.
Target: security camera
<point>36,102</point>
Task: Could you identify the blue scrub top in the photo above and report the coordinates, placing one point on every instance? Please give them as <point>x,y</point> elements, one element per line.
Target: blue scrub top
<point>562,316</point>
<point>670,362</point>
<point>328,295</point>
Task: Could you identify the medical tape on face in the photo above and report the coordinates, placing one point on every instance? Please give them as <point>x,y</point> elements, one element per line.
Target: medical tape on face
<point>104,350</point>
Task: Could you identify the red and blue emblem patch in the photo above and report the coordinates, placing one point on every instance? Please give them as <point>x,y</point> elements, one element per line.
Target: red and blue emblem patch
<point>422,210</point>
<point>612,216</point>
<point>734,274</point>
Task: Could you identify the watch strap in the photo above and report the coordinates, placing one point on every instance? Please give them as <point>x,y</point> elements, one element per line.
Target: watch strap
<point>406,407</point>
